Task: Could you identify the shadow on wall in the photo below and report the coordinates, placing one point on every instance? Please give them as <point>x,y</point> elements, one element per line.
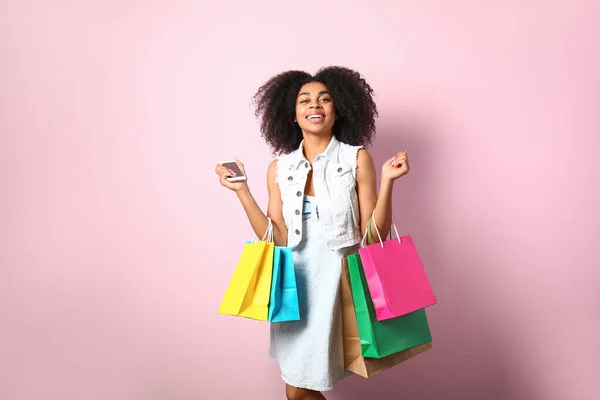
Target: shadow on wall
<point>467,360</point>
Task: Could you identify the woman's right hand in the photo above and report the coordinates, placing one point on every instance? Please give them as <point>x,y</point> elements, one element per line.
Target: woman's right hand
<point>224,172</point>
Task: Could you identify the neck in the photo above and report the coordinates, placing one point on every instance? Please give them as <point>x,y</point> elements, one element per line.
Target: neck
<point>315,145</point>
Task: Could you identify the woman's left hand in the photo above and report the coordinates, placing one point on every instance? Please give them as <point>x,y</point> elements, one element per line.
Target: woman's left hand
<point>395,167</point>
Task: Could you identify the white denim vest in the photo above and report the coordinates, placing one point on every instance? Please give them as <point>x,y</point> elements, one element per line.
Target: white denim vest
<point>334,179</point>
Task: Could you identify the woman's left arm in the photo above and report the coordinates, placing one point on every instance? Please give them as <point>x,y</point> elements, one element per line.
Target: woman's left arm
<point>366,182</point>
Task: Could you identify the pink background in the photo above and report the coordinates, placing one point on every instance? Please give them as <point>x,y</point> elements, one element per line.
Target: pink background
<point>117,242</point>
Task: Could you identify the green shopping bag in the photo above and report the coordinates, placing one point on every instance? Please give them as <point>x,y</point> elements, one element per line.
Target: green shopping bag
<point>383,338</point>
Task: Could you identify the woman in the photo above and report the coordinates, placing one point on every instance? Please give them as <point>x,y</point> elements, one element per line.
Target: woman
<point>322,193</point>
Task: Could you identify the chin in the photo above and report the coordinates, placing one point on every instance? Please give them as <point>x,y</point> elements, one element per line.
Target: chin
<point>319,131</point>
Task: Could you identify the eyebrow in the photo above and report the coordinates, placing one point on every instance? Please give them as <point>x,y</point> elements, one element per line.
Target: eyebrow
<point>320,93</point>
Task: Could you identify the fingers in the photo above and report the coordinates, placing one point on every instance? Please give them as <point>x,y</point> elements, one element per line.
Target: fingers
<point>225,175</point>
<point>400,159</point>
<point>241,165</point>
<point>220,169</point>
<point>223,171</point>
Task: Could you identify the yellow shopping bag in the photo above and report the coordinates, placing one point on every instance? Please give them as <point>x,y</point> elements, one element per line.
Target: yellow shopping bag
<point>249,289</point>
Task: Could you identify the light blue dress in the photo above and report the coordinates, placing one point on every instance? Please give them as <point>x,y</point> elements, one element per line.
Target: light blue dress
<point>310,351</point>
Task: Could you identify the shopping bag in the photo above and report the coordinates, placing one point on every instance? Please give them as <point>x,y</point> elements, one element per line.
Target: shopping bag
<point>353,358</point>
<point>383,338</point>
<point>397,281</point>
<point>283,304</point>
<point>249,289</point>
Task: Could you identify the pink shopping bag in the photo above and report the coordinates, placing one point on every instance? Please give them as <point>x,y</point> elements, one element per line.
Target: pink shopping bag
<point>395,276</point>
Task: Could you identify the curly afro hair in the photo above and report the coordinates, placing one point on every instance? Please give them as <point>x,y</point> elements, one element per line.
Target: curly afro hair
<point>275,105</point>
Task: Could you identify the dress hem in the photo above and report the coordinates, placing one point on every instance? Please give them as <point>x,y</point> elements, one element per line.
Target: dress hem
<point>308,387</point>
<point>305,386</point>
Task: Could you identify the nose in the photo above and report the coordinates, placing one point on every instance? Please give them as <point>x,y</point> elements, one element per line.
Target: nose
<point>315,105</point>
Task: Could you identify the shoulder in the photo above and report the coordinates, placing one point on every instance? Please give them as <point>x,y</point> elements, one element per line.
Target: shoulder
<point>286,160</point>
<point>289,156</point>
<point>363,156</point>
<point>280,163</point>
<point>365,166</point>
<point>349,147</point>
<point>356,155</point>
<point>273,165</point>
<point>349,154</point>
<point>272,172</point>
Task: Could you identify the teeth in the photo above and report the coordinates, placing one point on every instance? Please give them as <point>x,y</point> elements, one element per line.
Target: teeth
<point>315,116</point>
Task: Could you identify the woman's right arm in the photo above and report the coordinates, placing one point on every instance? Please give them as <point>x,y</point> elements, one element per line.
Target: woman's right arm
<point>258,220</point>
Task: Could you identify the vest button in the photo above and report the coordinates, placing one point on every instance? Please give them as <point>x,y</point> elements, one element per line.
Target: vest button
<point>290,178</point>
<point>297,212</point>
<point>340,169</point>
<point>298,193</point>
<point>297,231</point>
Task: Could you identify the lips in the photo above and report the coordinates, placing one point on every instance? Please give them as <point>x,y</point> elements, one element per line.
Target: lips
<point>316,117</point>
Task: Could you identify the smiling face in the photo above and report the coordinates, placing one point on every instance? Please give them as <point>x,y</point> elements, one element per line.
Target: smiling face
<point>315,111</point>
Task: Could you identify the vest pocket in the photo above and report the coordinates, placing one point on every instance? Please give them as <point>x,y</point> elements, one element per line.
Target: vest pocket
<point>343,175</point>
<point>345,185</point>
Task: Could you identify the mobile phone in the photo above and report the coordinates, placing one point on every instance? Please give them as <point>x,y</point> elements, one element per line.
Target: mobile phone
<point>232,165</point>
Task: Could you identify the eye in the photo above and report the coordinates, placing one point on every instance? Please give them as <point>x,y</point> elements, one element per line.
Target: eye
<point>326,99</point>
<point>303,101</point>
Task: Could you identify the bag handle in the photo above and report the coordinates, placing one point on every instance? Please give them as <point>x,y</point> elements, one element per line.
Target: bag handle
<point>268,234</point>
<point>368,230</point>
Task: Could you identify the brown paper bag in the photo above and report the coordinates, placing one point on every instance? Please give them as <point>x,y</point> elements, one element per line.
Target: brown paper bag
<point>353,359</point>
